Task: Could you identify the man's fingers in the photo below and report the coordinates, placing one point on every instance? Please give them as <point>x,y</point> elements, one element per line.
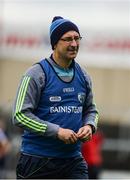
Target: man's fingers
<point>67,135</point>
<point>74,138</point>
<point>88,138</point>
<point>80,132</point>
<point>84,132</point>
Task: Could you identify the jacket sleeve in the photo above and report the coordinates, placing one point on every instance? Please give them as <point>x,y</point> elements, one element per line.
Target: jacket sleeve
<point>26,101</point>
<point>90,112</point>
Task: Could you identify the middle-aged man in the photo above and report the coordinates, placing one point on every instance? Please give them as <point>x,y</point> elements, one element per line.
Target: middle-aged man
<point>54,105</point>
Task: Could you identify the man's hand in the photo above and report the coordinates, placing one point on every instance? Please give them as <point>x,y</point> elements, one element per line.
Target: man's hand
<point>85,133</point>
<point>67,135</point>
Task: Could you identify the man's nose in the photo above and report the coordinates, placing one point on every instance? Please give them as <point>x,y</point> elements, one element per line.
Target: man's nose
<point>73,42</point>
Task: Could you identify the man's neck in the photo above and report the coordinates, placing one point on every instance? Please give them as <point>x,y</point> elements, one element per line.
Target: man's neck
<point>64,63</point>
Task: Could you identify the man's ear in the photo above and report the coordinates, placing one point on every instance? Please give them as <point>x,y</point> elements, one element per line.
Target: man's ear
<point>55,46</point>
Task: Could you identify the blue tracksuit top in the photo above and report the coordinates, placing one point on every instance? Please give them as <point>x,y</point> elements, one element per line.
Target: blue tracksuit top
<point>60,103</point>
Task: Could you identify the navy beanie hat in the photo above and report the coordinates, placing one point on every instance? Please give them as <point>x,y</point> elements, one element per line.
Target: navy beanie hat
<point>59,27</point>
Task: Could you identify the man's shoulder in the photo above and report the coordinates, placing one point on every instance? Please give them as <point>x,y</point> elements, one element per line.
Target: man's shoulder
<point>36,73</point>
<point>34,70</point>
<point>84,72</point>
<point>82,68</point>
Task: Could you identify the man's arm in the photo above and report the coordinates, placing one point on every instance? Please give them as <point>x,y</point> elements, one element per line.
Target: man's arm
<point>90,113</point>
<point>26,101</point>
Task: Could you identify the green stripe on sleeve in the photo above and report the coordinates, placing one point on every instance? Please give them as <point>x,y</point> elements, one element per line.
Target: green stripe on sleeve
<point>20,92</point>
<point>24,93</point>
<point>22,120</point>
<point>34,122</point>
<point>39,127</point>
<point>96,119</point>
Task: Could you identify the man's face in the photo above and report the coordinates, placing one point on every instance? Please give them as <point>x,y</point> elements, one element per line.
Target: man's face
<point>68,46</point>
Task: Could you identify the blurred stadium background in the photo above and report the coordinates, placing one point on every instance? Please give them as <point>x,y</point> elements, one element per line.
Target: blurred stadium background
<point>104,52</point>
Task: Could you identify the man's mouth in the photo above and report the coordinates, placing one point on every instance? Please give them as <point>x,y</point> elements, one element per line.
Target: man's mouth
<point>72,50</point>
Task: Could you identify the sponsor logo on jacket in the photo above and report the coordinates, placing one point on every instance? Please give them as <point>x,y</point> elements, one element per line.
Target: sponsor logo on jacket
<point>66,109</point>
<point>69,89</point>
<point>55,98</point>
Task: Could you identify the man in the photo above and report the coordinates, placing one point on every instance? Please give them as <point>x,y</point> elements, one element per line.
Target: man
<point>54,105</point>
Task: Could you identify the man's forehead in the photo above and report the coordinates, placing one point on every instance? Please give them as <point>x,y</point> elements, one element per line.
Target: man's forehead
<point>70,33</point>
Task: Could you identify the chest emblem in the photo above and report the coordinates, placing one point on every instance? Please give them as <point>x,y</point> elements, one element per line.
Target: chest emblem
<point>81,97</point>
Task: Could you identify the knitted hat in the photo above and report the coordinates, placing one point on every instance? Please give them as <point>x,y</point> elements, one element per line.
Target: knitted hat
<point>59,27</point>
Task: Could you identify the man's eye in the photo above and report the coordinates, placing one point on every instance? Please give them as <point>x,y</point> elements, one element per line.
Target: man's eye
<point>69,39</point>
